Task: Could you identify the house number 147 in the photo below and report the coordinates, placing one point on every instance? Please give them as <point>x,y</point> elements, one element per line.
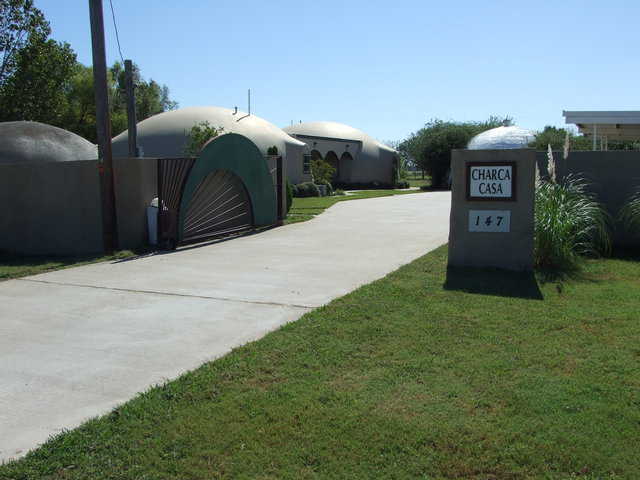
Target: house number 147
<point>489,220</point>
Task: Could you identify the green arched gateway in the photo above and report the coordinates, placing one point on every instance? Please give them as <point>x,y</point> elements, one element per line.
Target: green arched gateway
<point>228,189</point>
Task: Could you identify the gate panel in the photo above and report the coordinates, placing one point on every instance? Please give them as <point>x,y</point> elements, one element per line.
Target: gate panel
<point>227,189</point>
<point>238,155</point>
<point>220,205</point>
<point>172,177</point>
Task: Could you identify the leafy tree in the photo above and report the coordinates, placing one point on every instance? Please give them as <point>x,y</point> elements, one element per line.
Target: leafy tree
<point>36,90</point>
<point>34,70</point>
<point>198,137</point>
<point>80,116</point>
<point>430,147</point>
<point>322,171</point>
<point>151,97</point>
<point>40,79</point>
<point>556,137</point>
<point>20,23</point>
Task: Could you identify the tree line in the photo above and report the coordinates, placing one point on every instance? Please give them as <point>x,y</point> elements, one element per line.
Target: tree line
<point>429,148</point>
<point>41,79</point>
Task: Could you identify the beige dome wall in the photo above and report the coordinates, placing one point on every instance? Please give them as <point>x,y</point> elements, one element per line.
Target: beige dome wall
<point>372,161</point>
<point>166,134</point>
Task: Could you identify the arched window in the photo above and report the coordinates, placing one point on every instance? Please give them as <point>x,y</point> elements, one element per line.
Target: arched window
<point>332,159</point>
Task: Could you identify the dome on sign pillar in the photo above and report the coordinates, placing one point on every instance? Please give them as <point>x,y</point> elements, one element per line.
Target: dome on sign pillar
<point>502,138</point>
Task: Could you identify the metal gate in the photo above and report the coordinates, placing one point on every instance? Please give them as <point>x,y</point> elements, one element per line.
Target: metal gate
<point>227,190</point>
<point>220,206</point>
<point>172,176</point>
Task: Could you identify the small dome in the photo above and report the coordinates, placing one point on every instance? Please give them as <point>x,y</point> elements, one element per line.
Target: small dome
<point>502,138</point>
<point>33,142</point>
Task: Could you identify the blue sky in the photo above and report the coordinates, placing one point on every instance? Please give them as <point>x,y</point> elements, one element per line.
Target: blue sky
<point>384,67</point>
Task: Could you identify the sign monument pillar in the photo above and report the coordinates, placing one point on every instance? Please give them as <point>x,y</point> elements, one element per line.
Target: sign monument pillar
<point>492,206</point>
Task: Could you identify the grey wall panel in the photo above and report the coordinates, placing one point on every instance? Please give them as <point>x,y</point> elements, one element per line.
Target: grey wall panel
<point>612,176</point>
<point>50,208</point>
<point>136,184</point>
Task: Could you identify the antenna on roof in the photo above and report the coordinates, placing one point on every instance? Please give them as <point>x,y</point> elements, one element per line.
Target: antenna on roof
<point>235,111</point>
<point>249,100</point>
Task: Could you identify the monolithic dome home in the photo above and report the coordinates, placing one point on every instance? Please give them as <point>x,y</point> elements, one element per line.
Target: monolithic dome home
<point>356,156</point>
<point>166,134</point>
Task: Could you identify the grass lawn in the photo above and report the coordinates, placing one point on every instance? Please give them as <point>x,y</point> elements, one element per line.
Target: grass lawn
<point>304,209</point>
<point>415,179</point>
<point>14,266</point>
<point>481,375</point>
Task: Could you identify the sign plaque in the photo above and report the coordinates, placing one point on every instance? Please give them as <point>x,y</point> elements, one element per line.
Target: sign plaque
<point>491,181</point>
<point>491,221</point>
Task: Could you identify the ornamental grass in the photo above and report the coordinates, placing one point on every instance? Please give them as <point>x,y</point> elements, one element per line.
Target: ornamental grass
<point>629,215</point>
<point>569,224</point>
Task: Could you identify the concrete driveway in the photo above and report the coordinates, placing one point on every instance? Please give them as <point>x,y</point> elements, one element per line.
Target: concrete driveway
<point>75,343</point>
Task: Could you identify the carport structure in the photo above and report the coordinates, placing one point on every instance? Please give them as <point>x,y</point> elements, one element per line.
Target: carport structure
<point>603,126</point>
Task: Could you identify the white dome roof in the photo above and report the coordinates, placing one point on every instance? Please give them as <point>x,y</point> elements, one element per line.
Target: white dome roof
<point>33,142</point>
<point>165,134</point>
<point>334,130</point>
<point>502,138</point>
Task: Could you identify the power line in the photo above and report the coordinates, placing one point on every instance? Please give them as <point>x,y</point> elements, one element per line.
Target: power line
<point>115,26</point>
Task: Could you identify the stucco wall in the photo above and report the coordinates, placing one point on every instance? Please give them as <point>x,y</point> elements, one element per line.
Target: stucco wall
<point>512,250</point>
<point>294,159</point>
<point>54,208</point>
<point>136,184</point>
<point>50,208</point>
<point>612,176</point>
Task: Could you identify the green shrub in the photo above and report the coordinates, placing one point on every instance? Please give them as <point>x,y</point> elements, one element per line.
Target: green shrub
<point>328,185</point>
<point>198,137</point>
<point>630,213</point>
<point>307,189</point>
<point>402,184</point>
<point>339,192</point>
<point>289,195</point>
<point>569,222</point>
<point>321,171</point>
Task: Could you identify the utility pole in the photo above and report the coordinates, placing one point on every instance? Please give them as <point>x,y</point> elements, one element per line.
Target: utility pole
<point>131,109</point>
<point>103,124</point>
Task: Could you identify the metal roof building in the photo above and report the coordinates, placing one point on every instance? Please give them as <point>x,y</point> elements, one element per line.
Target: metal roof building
<point>605,125</point>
